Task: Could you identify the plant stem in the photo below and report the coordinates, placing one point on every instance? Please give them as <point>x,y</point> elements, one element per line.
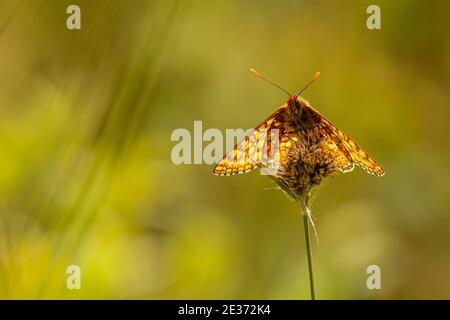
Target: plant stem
<point>308,253</point>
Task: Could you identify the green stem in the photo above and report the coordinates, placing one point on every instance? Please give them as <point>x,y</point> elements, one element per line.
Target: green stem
<point>308,253</point>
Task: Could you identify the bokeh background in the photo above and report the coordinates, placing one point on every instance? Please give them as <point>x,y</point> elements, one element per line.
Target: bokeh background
<point>86,176</point>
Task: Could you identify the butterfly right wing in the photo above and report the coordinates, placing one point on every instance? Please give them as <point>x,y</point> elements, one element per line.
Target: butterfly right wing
<point>248,153</point>
<point>351,153</point>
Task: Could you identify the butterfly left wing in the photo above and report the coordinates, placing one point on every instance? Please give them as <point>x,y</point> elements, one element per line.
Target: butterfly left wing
<point>254,149</point>
<point>352,153</point>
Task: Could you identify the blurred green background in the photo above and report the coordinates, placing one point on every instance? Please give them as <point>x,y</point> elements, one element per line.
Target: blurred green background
<point>86,176</point>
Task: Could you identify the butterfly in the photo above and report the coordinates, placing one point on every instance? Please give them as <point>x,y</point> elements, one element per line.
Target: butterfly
<point>309,148</point>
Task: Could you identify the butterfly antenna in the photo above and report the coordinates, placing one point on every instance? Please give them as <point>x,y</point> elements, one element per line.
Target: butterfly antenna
<point>256,73</point>
<point>316,75</point>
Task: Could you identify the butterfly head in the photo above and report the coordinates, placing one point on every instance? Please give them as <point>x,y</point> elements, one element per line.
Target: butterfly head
<point>293,102</point>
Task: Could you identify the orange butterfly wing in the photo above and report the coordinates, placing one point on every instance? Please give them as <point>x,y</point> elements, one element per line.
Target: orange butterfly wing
<point>248,153</point>
<point>351,151</point>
